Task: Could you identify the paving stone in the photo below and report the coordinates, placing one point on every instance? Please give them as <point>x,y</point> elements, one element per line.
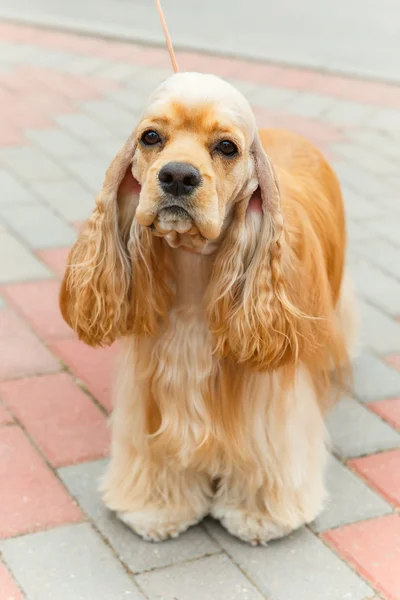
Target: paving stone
<point>117,118</point>
<point>21,353</point>
<point>38,226</point>
<point>90,171</point>
<point>12,191</point>
<point>20,264</point>
<point>82,126</point>
<point>82,482</point>
<point>388,228</point>
<point>32,497</point>
<point>349,499</point>
<point>67,197</point>
<point>298,567</point>
<point>55,258</point>
<point>359,208</point>
<point>61,419</point>
<point>385,120</point>
<point>307,104</point>
<point>8,586</point>
<point>30,164</point>
<point>374,379</point>
<point>215,577</point>
<point>132,99</point>
<point>147,80</point>
<point>360,179</point>
<point>382,471</point>
<point>57,143</point>
<point>367,158</point>
<point>271,97</point>
<point>2,302</point>
<point>38,303</point>
<point>379,332</point>
<point>373,548</point>
<point>119,71</point>
<point>87,65</point>
<point>5,415</point>
<point>356,431</point>
<point>244,87</point>
<point>360,232</point>
<point>389,410</point>
<point>93,366</point>
<point>345,112</point>
<point>381,290</point>
<point>383,254</point>
<point>68,563</point>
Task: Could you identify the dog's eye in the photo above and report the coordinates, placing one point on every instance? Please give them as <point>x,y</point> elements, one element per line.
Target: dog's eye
<point>150,137</point>
<point>227,148</point>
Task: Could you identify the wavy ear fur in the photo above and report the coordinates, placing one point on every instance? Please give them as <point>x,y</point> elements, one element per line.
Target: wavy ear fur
<point>112,258</point>
<point>259,309</point>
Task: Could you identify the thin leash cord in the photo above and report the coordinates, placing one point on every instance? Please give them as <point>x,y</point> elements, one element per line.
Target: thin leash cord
<point>167,37</point>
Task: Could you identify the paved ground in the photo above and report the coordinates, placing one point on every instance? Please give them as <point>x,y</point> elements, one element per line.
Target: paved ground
<point>357,37</point>
<point>67,104</point>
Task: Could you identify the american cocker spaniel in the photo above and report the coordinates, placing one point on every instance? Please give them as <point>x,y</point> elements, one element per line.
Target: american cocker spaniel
<point>215,254</point>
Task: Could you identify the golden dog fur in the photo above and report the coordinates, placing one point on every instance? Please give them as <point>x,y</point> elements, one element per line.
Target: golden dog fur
<point>231,320</point>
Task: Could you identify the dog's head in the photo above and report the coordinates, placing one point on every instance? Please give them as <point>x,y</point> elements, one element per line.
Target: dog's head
<point>194,158</point>
<point>197,162</point>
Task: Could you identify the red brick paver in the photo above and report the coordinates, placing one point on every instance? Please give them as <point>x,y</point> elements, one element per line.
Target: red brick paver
<point>37,301</point>
<point>388,410</point>
<point>59,416</point>
<point>383,472</point>
<point>8,588</point>
<point>55,258</point>
<point>94,366</point>
<point>5,416</point>
<point>21,352</point>
<point>31,496</point>
<point>373,548</point>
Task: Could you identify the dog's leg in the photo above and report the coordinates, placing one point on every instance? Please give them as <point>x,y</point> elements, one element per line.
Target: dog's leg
<point>154,496</point>
<point>285,488</point>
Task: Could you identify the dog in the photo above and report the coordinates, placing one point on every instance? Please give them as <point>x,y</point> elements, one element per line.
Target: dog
<point>215,254</point>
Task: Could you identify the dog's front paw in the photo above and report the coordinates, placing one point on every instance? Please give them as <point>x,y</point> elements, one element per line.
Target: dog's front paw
<point>252,527</point>
<point>156,525</point>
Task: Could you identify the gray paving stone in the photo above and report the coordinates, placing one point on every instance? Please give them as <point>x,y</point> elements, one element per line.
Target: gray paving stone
<point>116,118</point>
<point>212,578</point>
<point>86,65</point>
<point>57,143</point>
<point>82,482</point>
<point>89,171</point>
<point>2,302</point>
<point>358,207</point>
<point>360,179</point>
<point>376,287</point>
<point>245,87</point>
<point>68,563</point>
<point>365,157</point>
<point>378,331</point>
<point>374,379</point>
<point>82,126</point>
<point>30,164</point>
<point>349,500</point>
<point>388,228</point>
<point>38,226</point>
<point>12,191</point>
<point>298,567</point>
<point>17,263</point>
<point>271,97</point>
<point>356,431</point>
<point>383,254</point>
<point>360,231</point>
<point>307,104</point>
<point>119,71</point>
<point>132,99</point>
<point>345,112</point>
<point>68,198</point>
<point>148,79</point>
<point>385,119</point>
<point>109,147</point>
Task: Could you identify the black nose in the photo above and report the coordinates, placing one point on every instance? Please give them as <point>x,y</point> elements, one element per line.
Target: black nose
<point>179,178</point>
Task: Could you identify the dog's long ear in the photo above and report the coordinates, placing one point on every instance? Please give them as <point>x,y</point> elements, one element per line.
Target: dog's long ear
<point>252,309</point>
<point>95,292</point>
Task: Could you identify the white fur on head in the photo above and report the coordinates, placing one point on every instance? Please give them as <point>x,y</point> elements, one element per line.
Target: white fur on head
<point>201,88</point>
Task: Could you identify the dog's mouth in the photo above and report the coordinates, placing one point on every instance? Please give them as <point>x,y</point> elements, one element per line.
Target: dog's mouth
<point>176,225</point>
